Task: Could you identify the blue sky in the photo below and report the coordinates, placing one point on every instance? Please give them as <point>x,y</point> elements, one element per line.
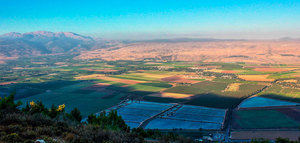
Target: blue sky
<point>134,19</point>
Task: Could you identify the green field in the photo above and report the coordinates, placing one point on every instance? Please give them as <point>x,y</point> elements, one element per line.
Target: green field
<point>86,102</point>
<point>146,88</point>
<point>283,93</point>
<point>212,94</point>
<point>264,119</point>
<point>48,80</point>
<point>199,88</point>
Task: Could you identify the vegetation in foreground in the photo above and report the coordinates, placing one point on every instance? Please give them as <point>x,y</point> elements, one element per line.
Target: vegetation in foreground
<point>35,121</point>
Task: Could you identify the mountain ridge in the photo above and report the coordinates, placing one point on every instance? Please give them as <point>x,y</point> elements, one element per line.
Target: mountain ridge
<point>16,44</point>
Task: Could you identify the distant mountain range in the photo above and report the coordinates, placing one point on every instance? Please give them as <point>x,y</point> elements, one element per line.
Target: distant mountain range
<point>43,42</point>
<point>14,45</point>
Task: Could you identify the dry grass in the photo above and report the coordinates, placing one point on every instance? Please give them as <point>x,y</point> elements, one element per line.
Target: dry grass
<point>255,77</point>
<point>172,95</point>
<point>231,71</point>
<point>60,63</point>
<point>179,79</point>
<point>6,83</point>
<point>103,84</point>
<point>155,76</point>
<point>233,87</point>
<point>100,76</point>
<point>91,76</point>
<point>291,80</point>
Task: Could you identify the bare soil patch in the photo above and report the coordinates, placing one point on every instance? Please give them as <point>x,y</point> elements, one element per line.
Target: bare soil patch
<point>233,87</point>
<point>229,71</point>
<point>6,83</point>
<point>101,76</point>
<point>179,79</point>
<point>255,77</point>
<point>171,78</point>
<point>172,95</point>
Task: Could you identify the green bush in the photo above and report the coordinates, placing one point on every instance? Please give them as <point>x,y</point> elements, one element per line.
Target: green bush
<point>35,121</point>
<point>7,104</point>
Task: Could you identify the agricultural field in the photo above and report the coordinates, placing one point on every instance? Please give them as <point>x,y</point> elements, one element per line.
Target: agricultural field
<point>190,117</point>
<point>216,93</point>
<point>289,92</point>
<point>255,77</point>
<point>286,118</point>
<point>63,80</point>
<point>88,101</point>
<point>165,116</point>
<point>264,102</point>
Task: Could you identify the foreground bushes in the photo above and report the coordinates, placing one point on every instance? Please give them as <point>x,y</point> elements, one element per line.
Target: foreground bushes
<point>35,121</point>
<point>20,127</point>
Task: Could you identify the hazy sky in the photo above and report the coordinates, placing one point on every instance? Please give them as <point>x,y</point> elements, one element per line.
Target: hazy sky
<point>146,19</point>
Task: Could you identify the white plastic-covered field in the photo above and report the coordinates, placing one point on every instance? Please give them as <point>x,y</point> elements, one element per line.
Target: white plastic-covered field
<point>264,102</point>
<point>152,115</point>
<point>134,113</point>
<point>190,117</point>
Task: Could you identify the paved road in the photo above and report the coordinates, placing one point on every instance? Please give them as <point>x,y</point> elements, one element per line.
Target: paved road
<point>145,122</point>
<point>228,129</point>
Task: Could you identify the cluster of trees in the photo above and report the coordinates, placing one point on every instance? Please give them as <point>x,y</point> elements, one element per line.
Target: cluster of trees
<point>8,105</point>
<point>220,75</point>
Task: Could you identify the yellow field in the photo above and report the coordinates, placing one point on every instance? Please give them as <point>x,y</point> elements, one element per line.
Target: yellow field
<point>100,76</point>
<point>297,74</point>
<point>91,76</point>
<point>233,87</point>
<point>224,71</point>
<point>5,83</point>
<point>155,76</point>
<point>291,80</point>
<point>172,95</point>
<point>214,70</point>
<point>255,77</point>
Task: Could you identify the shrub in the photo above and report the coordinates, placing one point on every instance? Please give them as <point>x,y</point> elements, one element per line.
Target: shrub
<point>75,115</point>
<point>7,104</point>
<point>108,121</point>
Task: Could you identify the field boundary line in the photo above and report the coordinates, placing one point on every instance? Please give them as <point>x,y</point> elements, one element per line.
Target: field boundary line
<point>190,120</point>
<point>145,122</point>
<point>269,107</point>
<point>202,115</point>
